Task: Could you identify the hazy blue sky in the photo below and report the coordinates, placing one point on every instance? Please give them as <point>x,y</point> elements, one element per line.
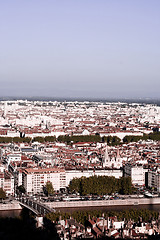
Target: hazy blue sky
<point>80,48</point>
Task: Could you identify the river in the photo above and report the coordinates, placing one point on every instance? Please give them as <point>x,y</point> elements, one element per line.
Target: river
<point>155,207</point>
<point>17,213</point>
<point>10,213</point>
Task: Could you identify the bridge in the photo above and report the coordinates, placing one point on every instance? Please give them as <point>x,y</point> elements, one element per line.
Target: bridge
<point>36,207</point>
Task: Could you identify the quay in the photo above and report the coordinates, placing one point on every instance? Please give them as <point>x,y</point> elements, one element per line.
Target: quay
<point>52,206</point>
<point>14,205</point>
<point>104,203</point>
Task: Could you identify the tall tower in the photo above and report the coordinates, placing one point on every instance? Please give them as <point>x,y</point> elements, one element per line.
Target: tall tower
<point>106,157</point>
<point>118,156</point>
<point>118,160</point>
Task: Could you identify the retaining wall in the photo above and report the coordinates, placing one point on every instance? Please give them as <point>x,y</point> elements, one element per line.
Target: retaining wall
<point>103,203</point>
<point>14,205</point>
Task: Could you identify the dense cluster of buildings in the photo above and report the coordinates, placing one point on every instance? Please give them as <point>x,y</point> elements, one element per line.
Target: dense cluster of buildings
<point>99,228</point>
<point>35,118</point>
<point>34,163</point>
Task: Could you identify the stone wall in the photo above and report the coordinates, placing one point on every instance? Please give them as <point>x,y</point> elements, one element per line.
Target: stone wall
<point>101,203</point>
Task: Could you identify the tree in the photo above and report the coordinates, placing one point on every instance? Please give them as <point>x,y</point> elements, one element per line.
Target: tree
<point>99,185</point>
<point>21,189</point>
<point>74,185</point>
<point>111,140</point>
<point>49,188</point>
<point>2,194</point>
<point>50,139</point>
<point>38,139</point>
<point>126,185</point>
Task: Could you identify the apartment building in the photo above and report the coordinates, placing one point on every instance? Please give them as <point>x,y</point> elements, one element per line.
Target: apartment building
<point>35,179</point>
<point>136,172</point>
<point>13,158</point>
<point>7,182</point>
<point>154,179</point>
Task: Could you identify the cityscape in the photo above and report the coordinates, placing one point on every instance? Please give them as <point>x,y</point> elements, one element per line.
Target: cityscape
<point>79,120</point>
<point>60,155</point>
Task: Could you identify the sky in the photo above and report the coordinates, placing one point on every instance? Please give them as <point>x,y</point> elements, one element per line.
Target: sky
<point>80,48</point>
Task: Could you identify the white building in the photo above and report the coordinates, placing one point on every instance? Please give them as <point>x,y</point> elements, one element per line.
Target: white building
<point>136,172</point>
<point>7,182</point>
<point>35,179</point>
<point>144,229</point>
<point>13,158</point>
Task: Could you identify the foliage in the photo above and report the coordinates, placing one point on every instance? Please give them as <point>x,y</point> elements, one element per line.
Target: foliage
<point>38,139</point>
<point>125,186</point>
<point>83,215</point>
<point>44,139</point>
<point>130,138</point>
<point>2,194</point>
<point>49,188</point>
<point>84,138</point>
<point>153,136</point>
<point>20,140</point>
<point>50,139</point>
<point>21,189</point>
<point>111,140</point>
<point>75,185</point>
<point>15,139</point>
<point>100,185</point>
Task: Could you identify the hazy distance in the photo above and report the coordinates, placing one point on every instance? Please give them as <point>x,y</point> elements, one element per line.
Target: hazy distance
<point>84,49</point>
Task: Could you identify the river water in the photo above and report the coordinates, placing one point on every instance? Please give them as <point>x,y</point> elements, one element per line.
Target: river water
<point>10,213</point>
<point>112,208</point>
<point>16,213</point>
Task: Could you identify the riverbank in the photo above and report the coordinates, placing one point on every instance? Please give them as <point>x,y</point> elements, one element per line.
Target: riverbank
<point>104,203</point>
<point>14,205</point>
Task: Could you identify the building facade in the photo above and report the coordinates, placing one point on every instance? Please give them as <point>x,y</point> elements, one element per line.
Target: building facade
<point>136,172</point>
<point>35,179</point>
<point>154,179</point>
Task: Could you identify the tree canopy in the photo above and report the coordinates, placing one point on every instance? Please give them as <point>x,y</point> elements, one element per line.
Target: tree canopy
<point>81,138</point>
<point>21,189</point>
<point>153,136</point>
<point>49,187</point>
<point>83,215</point>
<point>100,185</point>
<point>2,194</point>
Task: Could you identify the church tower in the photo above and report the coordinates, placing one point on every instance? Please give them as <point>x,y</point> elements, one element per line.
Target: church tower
<point>106,157</point>
<point>118,160</point>
<point>118,156</point>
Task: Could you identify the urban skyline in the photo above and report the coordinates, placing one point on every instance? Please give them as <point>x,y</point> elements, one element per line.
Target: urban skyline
<point>92,156</point>
<point>80,119</point>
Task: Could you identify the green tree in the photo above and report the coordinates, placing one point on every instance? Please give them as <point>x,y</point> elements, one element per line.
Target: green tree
<point>21,189</point>
<point>17,140</point>
<point>38,139</point>
<point>2,194</point>
<point>85,138</point>
<point>50,139</point>
<point>49,188</point>
<point>74,185</point>
<point>112,141</point>
<point>126,185</point>
<point>99,185</point>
